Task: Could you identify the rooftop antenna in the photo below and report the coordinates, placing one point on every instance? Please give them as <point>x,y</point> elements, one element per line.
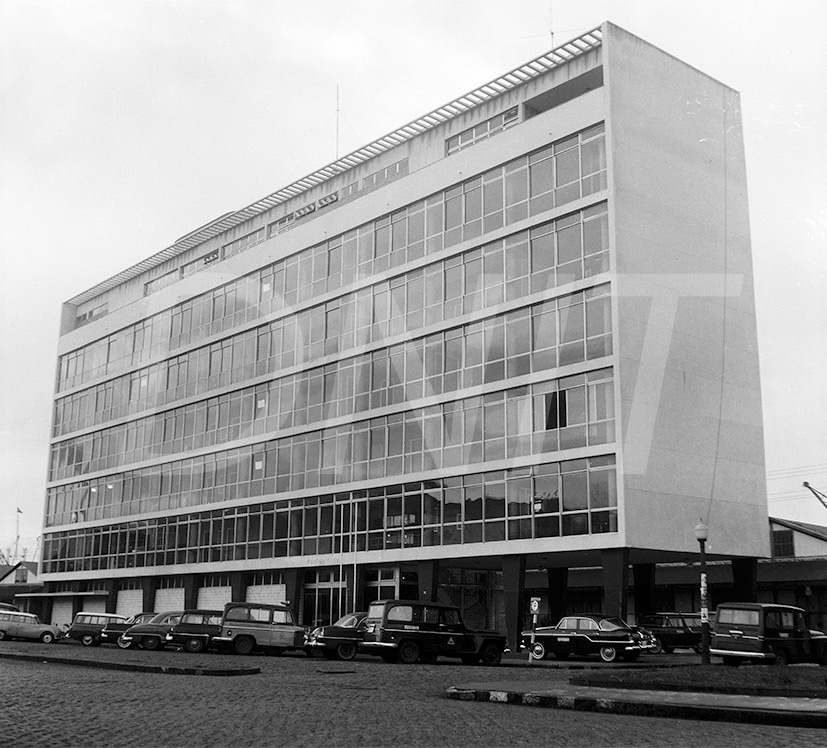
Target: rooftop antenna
<point>550,24</point>
<point>820,496</point>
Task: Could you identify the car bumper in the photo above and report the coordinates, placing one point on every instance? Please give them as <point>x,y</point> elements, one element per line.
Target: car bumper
<point>379,645</point>
<point>742,653</point>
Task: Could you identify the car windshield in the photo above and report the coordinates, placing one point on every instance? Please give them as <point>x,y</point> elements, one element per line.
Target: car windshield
<point>612,624</point>
<point>162,617</point>
<point>350,621</point>
<point>376,610</point>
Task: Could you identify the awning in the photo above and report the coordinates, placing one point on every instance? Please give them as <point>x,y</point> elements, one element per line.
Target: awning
<point>93,593</point>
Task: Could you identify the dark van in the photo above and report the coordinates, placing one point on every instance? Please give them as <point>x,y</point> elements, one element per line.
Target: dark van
<point>766,633</point>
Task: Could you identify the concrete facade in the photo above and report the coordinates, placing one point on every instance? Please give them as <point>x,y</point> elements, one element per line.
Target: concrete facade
<point>517,333</point>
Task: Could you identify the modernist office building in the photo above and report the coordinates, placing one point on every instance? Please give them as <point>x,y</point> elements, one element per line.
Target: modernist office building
<point>517,333</point>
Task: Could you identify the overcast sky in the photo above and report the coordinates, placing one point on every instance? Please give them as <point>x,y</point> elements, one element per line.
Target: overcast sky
<point>124,125</point>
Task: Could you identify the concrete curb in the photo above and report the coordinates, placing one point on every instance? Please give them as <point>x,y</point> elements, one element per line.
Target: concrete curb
<point>611,704</point>
<point>130,667</point>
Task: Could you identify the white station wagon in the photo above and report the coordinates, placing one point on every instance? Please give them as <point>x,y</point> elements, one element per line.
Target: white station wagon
<point>15,625</point>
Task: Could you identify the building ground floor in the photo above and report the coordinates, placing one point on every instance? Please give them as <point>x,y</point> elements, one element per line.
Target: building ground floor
<point>493,592</point>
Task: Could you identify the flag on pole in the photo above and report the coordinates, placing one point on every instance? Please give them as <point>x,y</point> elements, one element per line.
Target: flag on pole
<point>19,510</point>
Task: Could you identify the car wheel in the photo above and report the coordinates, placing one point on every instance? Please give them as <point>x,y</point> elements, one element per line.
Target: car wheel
<point>408,652</point>
<point>47,637</point>
<point>658,648</point>
<point>194,645</point>
<point>2,635</point>
<point>538,651</point>
<point>151,643</point>
<point>243,645</point>
<point>87,640</point>
<point>346,651</point>
<point>123,643</point>
<point>608,654</point>
<point>782,659</point>
<point>490,654</point>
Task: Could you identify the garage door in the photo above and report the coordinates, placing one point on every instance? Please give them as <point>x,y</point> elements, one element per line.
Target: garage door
<point>213,598</point>
<point>169,598</point>
<point>130,602</point>
<point>62,612</point>
<point>272,594</point>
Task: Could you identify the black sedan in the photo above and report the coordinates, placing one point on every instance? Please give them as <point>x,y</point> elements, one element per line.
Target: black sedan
<point>339,641</point>
<point>152,634</point>
<point>195,630</point>
<point>589,635</point>
<point>113,632</point>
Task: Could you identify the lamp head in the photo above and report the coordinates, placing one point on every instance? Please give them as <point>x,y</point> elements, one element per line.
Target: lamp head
<point>701,531</point>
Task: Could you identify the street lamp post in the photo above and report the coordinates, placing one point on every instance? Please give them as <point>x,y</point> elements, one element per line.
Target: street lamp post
<point>701,534</point>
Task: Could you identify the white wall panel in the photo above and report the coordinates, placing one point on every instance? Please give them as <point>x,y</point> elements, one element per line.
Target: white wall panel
<point>62,612</point>
<point>273,594</point>
<point>130,602</point>
<point>213,598</point>
<point>170,598</point>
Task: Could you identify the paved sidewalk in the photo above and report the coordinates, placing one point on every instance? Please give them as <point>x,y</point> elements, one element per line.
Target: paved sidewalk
<point>765,710</point>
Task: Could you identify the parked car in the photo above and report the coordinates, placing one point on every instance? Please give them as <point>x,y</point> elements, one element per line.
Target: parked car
<point>672,631</point>
<point>17,625</point>
<point>250,627</point>
<point>411,631</point>
<point>766,632</point>
<point>152,634</point>
<point>87,627</point>
<point>114,630</point>
<point>195,631</point>
<point>589,635</point>
<point>340,640</point>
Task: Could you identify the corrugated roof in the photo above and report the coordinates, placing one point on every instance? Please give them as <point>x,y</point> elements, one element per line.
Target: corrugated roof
<point>514,78</point>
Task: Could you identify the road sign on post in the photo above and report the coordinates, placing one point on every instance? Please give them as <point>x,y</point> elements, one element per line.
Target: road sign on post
<point>535,609</point>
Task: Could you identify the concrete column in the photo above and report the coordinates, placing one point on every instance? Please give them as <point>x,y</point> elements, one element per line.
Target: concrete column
<point>149,586</point>
<point>238,586</point>
<point>745,580</point>
<point>362,598</point>
<point>514,587</point>
<point>428,578</point>
<point>111,586</point>
<point>644,581</point>
<point>293,582</point>
<point>191,590</point>
<point>558,583</point>
<point>615,581</point>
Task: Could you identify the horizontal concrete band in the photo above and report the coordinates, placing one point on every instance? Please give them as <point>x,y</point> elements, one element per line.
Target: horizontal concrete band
<point>132,667</point>
<point>614,705</point>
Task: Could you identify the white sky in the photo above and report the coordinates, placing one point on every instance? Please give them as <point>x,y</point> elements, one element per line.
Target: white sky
<point>124,125</point>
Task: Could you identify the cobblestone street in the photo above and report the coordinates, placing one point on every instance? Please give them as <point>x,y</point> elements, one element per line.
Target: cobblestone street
<point>297,701</point>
